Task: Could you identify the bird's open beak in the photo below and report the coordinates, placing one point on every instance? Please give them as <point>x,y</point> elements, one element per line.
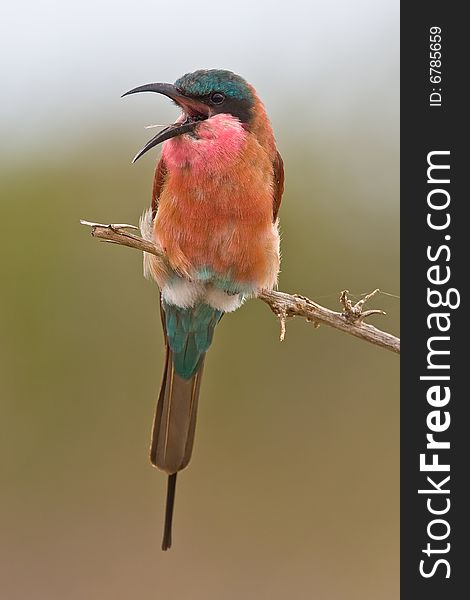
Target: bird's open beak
<point>193,109</point>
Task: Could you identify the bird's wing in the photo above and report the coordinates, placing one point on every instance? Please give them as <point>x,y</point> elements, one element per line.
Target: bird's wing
<point>278,184</point>
<point>158,181</point>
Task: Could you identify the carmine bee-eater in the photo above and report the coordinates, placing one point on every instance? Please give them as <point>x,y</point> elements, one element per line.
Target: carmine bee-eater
<point>216,195</point>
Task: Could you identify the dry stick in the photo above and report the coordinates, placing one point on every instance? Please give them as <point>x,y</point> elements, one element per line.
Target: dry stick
<point>283,305</point>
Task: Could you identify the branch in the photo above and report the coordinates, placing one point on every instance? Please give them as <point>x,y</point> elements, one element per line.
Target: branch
<point>350,320</point>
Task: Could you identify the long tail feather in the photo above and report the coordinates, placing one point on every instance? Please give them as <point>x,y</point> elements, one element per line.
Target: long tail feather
<point>173,431</point>
<point>175,418</point>
<point>170,503</point>
<point>188,334</point>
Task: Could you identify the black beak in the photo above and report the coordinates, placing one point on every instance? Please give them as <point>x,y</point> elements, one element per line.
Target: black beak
<point>194,109</point>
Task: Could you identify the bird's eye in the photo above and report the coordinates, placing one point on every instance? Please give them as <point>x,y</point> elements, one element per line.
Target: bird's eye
<point>217,98</point>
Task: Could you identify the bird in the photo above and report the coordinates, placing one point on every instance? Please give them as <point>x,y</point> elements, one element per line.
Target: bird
<point>216,195</point>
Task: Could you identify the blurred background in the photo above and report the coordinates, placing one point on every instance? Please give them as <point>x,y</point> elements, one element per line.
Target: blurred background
<point>293,487</point>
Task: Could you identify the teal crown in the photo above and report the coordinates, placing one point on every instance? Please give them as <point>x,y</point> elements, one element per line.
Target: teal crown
<point>205,82</point>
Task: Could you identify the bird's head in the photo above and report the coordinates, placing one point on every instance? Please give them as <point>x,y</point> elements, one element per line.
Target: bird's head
<point>201,95</point>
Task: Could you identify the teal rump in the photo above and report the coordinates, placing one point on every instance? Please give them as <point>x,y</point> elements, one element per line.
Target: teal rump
<point>189,332</point>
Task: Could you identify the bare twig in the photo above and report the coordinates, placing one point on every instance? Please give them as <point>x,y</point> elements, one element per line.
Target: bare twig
<point>283,305</point>
<point>299,306</point>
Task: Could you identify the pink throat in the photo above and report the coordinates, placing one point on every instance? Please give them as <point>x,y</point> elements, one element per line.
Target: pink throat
<point>218,141</point>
